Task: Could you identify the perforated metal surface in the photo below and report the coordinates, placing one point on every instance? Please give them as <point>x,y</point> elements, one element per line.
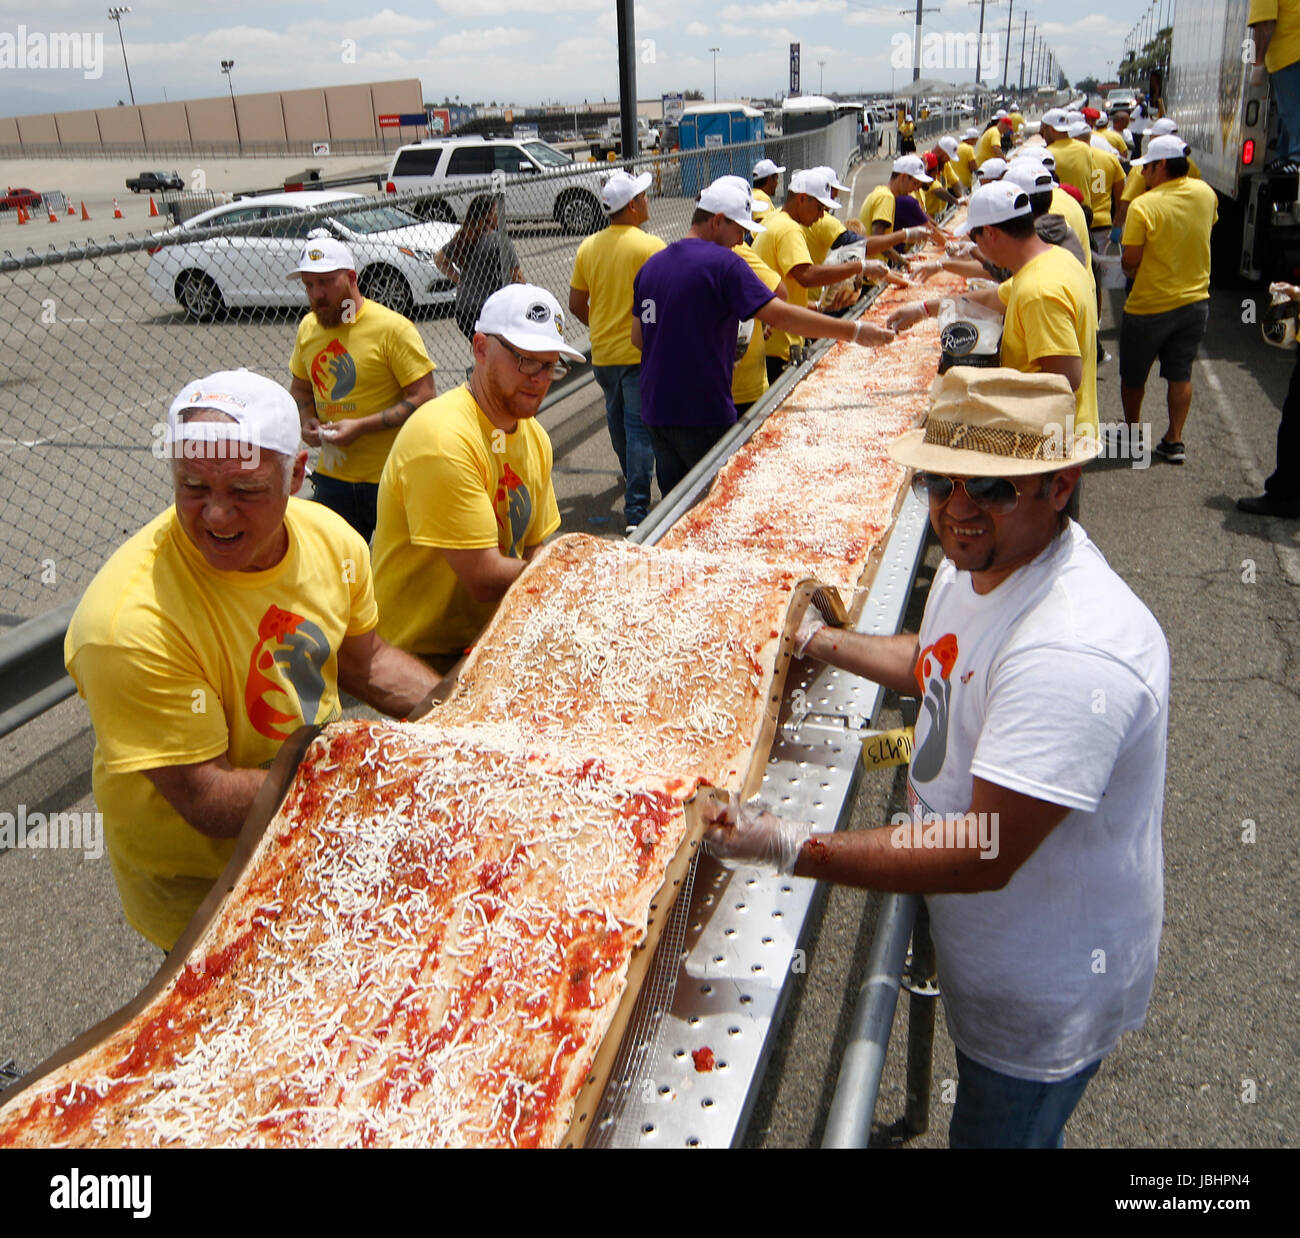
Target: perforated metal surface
<point>741,950</point>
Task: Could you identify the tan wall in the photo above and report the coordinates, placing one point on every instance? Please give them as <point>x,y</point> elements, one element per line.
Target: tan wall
<point>305,119</point>
<point>334,113</point>
<point>351,112</point>
<point>211,120</point>
<point>117,126</point>
<point>164,122</point>
<point>38,128</point>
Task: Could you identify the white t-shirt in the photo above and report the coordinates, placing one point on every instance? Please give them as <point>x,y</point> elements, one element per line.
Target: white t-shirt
<point>1056,685</point>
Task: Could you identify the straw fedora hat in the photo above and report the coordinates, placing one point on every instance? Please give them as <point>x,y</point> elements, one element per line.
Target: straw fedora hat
<point>986,422</point>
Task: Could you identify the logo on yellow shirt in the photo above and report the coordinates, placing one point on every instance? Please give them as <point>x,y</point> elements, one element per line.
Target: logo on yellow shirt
<point>333,372</point>
<point>301,648</point>
<point>518,507</point>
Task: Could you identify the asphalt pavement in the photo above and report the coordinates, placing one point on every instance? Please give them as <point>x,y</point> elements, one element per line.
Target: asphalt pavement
<point>1216,1063</point>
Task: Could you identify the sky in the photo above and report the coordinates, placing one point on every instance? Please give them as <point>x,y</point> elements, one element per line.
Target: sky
<point>65,54</point>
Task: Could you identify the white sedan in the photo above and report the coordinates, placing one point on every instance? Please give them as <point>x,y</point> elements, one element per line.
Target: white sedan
<point>243,254</point>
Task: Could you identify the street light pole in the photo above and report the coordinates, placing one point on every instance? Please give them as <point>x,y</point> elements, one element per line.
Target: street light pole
<point>821,77</point>
<point>715,51</point>
<point>226,66</point>
<point>116,15</point>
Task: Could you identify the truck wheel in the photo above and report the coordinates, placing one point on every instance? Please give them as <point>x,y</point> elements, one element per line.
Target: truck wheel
<point>388,286</point>
<point>199,296</point>
<point>580,214</point>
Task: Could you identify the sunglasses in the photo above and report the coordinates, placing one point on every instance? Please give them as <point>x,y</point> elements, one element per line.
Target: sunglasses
<point>530,367</point>
<point>989,494</point>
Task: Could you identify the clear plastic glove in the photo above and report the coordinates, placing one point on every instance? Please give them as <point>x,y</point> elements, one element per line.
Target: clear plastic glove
<point>874,270</point>
<point>960,249</point>
<point>906,316</point>
<point>812,622</point>
<point>924,270</point>
<point>749,836</point>
<point>918,234</point>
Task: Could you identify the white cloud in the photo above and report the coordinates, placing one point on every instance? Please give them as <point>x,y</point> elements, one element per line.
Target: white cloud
<point>496,8</point>
<point>482,42</point>
<point>698,30</point>
<point>780,10</point>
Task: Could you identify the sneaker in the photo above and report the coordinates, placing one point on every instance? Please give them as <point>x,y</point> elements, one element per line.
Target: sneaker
<point>1283,167</point>
<point>1269,505</point>
<point>1175,453</point>
<point>629,530</point>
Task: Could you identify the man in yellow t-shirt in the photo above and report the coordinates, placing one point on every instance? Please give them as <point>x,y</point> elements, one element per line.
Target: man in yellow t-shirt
<point>749,378</point>
<point>600,295</point>
<point>1074,165</point>
<point>989,145</point>
<point>1113,138</point>
<point>965,159</point>
<point>1275,29</point>
<point>766,177</point>
<point>466,497</point>
<point>228,621</point>
<point>1104,182</point>
<point>879,208</point>
<point>1048,304</point>
<point>1135,184</point>
<point>359,371</point>
<point>1167,255</point>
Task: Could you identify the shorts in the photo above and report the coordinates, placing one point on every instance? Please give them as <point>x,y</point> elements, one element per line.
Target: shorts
<point>1173,336</point>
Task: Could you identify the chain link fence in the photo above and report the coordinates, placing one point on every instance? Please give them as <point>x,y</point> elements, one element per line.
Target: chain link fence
<point>98,338</point>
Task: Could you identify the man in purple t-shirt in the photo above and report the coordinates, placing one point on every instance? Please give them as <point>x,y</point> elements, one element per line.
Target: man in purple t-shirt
<point>688,302</point>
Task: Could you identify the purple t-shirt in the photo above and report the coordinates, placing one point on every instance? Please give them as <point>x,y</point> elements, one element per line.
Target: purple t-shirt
<point>691,298</point>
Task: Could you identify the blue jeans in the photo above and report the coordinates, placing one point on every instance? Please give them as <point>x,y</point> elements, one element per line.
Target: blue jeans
<point>636,458</point>
<point>1285,85</point>
<point>355,501</point>
<point>994,1110</point>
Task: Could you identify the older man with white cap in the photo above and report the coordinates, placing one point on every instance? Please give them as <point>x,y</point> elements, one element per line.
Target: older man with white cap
<point>1074,165</point>
<point>600,295</point>
<point>766,177</point>
<point>229,620</point>
<point>1049,303</point>
<point>1034,822</point>
<point>1166,252</point>
<point>466,498</point>
<point>359,371</point>
<point>688,303</point>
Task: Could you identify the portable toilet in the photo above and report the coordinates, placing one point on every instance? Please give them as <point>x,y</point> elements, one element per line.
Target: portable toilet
<point>707,136</point>
<point>803,113</point>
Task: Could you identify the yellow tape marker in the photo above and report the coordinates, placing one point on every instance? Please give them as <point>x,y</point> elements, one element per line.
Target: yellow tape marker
<point>888,748</point>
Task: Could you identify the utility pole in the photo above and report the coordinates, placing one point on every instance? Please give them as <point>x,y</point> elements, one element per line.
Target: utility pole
<point>116,15</point>
<point>916,40</point>
<point>226,66</point>
<point>715,51</point>
<point>1006,55</point>
<point>1024,22</point>
<point>628,134</point>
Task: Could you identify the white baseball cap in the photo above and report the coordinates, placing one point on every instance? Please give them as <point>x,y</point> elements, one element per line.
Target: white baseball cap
<point>264,415</point>
<point>619,189</point>
<point>1079,128</point>
<point>971,134</point>
<point>323,252</point>
<point>913,166</point>
<point>994,204</point>
<point>1056,118</point>
<point>992,169</point>
<point>1163,126</point>
<point>767,167</point>
<point>1029,175</point>
<point>528,317</point>
<point>1000,114</point>
<point>730,196</point>
<point>1039,154</point>
<point>948,146</point>
<point>832,179</point>
<point>1166,146</point>
<point>815,184</point>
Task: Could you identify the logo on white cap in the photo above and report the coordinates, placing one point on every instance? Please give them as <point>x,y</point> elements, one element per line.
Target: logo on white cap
<point>323,253</point>
<point>527,317</point>
<point>260,415</point>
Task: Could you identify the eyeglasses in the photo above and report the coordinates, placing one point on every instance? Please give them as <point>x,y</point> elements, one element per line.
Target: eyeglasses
<point>989,494</point>
<point>530,367</point>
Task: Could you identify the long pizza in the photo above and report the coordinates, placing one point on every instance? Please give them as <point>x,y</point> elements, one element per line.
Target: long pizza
<point>424,949</point>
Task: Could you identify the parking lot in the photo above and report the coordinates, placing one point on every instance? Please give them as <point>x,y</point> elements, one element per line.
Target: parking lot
<point>1215,1065</point>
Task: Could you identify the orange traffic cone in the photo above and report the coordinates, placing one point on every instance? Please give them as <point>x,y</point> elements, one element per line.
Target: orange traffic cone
<point>53,217</point>
<point>72,210</point>
<point>22,215</point>
<point>117,210</point>
<point>153,208</point>
<point>85,214</point>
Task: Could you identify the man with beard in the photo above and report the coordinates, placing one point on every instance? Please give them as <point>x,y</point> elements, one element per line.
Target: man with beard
<point>359,371</point>
<point>466,500</point>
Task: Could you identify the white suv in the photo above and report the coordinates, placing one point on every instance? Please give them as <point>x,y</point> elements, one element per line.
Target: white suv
<point>537,181</point>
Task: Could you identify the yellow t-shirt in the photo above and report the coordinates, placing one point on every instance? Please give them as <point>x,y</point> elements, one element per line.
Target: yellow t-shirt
<point>1172,223</point>
<point>605,267</point>
<point>356,369</point>
<point>989,145</point>
<point>1052,312</point>
<point>1106,174</point>
<point>180,663</point>
<point>762,204</point>
<point>1284,46</point>
<point>1072,213</point>
<point>1135,186</point>
<point>783,247</point>
<point>948,179</point>
<point>749,378</point>
<point>878,207</point>
<point>1017,122</point>
<point>965,163</point>
<point>821,236</point>
<point>1074,165</point>
<point>1117,141</point>
<point>454,481</point>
